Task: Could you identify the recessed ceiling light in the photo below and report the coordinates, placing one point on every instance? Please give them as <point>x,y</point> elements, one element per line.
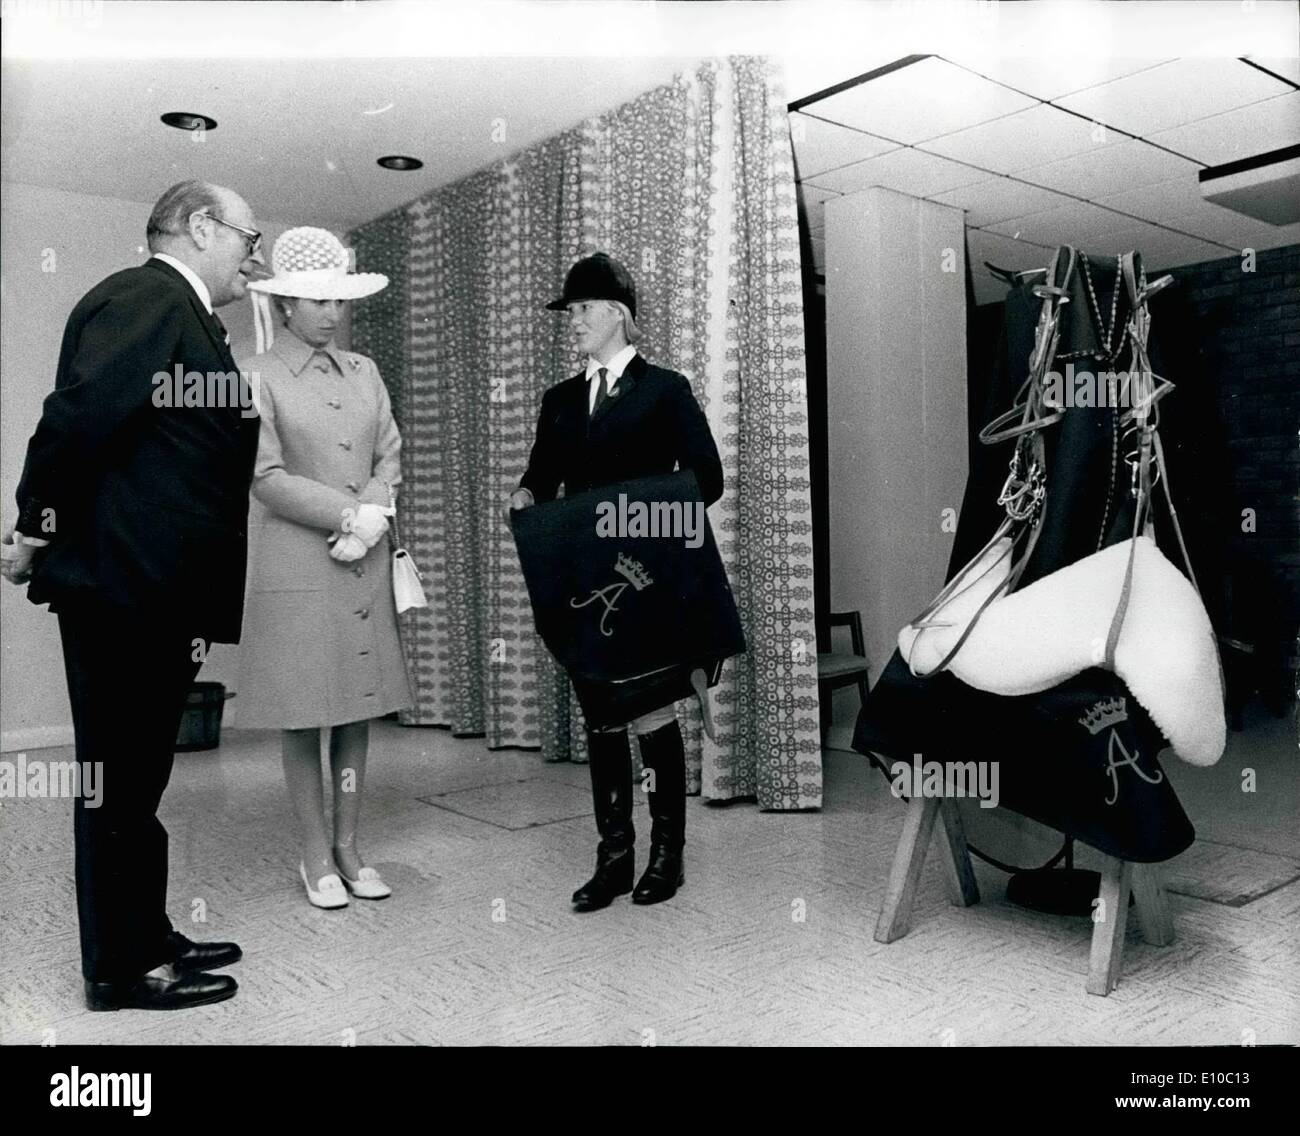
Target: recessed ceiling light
<point>184,120</point>
<point>400,162</point>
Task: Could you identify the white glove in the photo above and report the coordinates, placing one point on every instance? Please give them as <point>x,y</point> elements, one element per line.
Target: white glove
<point>16,558</point>
<point>348,548</point>
<point>369,522</point>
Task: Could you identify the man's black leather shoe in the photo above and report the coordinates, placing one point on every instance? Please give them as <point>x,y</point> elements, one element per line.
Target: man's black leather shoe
<point>662,878</point>
<point>613,878</point>
<point>172,989</point>
<point>192,956</point>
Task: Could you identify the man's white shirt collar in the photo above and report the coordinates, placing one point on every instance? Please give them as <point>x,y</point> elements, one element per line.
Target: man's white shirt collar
<point>185,270</point>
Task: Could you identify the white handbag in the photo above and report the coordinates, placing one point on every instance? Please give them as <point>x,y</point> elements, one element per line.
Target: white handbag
<point>407,589</point>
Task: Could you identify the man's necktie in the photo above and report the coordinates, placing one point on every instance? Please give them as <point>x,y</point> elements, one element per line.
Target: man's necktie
<point>221,327</point>
<point>602,391</point>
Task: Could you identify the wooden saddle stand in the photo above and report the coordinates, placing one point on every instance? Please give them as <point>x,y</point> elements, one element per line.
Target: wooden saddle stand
<point>1120,880</point>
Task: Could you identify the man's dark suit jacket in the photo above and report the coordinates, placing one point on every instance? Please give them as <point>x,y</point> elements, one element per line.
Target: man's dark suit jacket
<point>649,425</point>
<point>149,504</point>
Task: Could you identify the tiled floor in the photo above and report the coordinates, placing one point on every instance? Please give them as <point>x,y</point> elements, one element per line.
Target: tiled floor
<point>770,942</point>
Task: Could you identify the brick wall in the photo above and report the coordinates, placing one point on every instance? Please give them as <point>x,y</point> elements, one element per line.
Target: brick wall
<point>1248,328</point>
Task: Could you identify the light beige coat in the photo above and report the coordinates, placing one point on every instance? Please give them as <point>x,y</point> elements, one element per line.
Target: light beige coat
<point>320,644</point>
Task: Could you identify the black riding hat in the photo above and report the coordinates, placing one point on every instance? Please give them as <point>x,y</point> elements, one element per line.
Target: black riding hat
<point>597,277</point>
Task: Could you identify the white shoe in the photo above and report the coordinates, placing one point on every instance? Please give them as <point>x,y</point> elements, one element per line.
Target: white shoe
<point>330,893</point>
<point>368,885</point>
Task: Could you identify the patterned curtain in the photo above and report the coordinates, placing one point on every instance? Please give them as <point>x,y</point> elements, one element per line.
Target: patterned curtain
<point>691,186</point>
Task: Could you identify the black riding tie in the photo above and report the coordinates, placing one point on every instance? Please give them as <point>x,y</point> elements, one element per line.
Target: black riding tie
<point>602,392</point>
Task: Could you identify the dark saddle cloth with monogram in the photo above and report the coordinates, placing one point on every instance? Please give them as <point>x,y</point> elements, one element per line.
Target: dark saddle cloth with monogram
<point>1080,757</point>
<point>629,593</point>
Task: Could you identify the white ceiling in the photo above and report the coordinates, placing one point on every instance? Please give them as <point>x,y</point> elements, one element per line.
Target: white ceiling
<point>299,138</point>
<point>1042,152</point>
<point>1012,141</point>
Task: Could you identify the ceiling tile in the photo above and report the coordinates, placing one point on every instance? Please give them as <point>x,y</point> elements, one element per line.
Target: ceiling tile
<point>1049,77</point>
<point>1277,236</point>
<point>1158,202</point>
<point>988,202</point>
<point>1121,166</point>
<point>820,146</point>
<point>1215,223</point>
<point>1028,138</point>
<point>1072,223</point>
<point>1160,248</point>
<point>806,74</point>
<point>1239,133</point>
<point>1285,65</point>
<point>907,171</point>
<point>920,101</point>
<point>1175,93</point>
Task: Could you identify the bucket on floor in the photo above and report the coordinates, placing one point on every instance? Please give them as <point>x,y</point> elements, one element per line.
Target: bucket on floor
<point>201,721</point>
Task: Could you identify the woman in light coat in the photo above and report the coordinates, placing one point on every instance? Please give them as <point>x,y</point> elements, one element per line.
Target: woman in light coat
<point>320,643</point>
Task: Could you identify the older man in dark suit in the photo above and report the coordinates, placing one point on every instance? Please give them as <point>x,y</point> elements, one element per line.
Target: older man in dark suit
<point>132,516</point>
<point>619,419</point>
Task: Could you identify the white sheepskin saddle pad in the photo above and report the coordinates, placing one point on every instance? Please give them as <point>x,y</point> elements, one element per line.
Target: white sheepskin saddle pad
<point>1056,627</point>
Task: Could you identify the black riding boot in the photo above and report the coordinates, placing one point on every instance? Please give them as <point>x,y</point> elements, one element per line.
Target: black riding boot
<point>611,790</point>
<point>662,751</point>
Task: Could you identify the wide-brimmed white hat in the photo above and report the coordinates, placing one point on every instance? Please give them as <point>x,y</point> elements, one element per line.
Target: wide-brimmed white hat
<point>308,264</point>
<point>312,264</point>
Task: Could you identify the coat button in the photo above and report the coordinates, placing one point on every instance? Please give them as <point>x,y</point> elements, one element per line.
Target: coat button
<point>358,571</point>
<point>321,365</point>
<point>353,486</point>
<point>365,613</point>
<point>346,443</point>
<point>337,404</point>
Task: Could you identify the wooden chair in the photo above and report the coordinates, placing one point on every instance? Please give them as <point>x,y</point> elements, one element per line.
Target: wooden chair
<point>1119,880</point>
<point>842,668</point>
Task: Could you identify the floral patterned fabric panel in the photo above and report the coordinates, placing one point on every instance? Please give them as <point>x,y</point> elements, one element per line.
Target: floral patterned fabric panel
<point>660,184</point>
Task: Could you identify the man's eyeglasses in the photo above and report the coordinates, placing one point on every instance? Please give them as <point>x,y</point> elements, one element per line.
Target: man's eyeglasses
<point>252,238</point>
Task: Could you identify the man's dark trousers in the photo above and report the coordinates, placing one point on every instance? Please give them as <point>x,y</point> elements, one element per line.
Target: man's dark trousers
<point>128,676</point>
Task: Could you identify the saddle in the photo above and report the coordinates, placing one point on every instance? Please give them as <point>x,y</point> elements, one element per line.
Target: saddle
<point>1056,645</point>
<point>1123,606</point>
